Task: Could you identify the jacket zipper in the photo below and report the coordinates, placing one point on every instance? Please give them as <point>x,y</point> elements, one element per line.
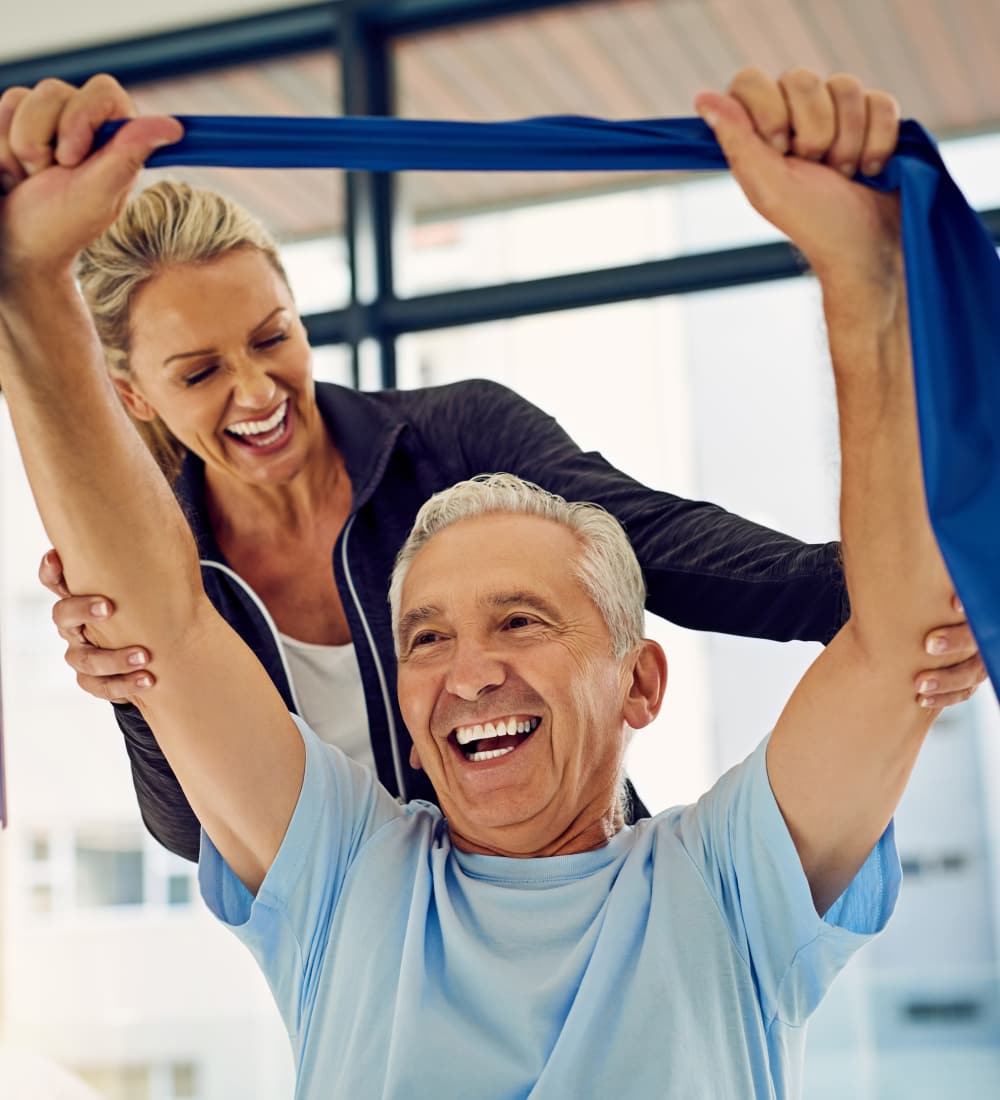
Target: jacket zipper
<point>386,701</point>
<point>269,622</point>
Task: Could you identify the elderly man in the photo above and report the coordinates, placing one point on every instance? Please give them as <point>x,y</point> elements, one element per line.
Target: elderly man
<point>525,942</point>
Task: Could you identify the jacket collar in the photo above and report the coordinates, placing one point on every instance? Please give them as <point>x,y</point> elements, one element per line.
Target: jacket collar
<point>364,429</point>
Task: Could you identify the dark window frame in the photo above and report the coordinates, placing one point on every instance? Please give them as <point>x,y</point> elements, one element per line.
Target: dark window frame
<point>362,32</point>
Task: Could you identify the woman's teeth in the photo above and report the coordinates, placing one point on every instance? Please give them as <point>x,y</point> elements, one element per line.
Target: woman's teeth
<point>259,433</point>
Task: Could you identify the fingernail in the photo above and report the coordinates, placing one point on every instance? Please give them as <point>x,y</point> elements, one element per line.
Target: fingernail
<point>873,167</point>
<point>143,681</point>
<point>138,658</point>
<point>847,170</point>
<point>927,686</point>
<point>780,142</point>
<point>936,645</point>
<point>958,606</point>
<point>709,116</point>
<point>99,609</point>
<point>928,703</point>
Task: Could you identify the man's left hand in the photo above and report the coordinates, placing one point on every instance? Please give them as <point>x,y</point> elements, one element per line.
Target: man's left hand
<point>794,145</point>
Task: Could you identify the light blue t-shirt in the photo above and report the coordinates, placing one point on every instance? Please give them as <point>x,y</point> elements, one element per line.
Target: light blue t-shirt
<point>681,960</point>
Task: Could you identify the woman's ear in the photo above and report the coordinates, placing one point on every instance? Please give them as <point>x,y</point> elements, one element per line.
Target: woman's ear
<point>136,404</point>
<point>648,683</point>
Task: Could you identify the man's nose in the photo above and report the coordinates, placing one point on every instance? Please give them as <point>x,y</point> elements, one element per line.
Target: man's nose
<point>253,387</point>
<point>475,670</point>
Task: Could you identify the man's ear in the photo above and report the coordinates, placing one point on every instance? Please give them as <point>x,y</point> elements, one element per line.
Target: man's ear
<point>136,404</point>
<point>415,759</point>
<point>648,683</point>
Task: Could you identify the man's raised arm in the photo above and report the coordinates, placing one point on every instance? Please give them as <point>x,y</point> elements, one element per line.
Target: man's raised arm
<point>842,750</point>
<point>103,501</point>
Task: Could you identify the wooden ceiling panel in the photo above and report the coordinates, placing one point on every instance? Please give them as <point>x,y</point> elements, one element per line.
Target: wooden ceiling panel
<point>616,58</point>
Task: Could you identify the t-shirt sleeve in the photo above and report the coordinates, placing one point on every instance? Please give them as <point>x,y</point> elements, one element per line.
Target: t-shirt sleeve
<point>739,840</point>
<point>340,806</point>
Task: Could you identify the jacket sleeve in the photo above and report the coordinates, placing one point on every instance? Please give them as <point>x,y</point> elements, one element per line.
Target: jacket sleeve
<point>705,568</point>
<point>165,810</point>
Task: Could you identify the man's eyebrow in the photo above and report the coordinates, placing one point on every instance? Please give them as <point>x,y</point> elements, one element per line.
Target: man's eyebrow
<point>502,600</point>
<point>209,351</point>
<point>415,618</point>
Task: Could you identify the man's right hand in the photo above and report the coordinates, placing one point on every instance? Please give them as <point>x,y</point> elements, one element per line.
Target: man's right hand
<point>60,195</point>
<point>111,674</point>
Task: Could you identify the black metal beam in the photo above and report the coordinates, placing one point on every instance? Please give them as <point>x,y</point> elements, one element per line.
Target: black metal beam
<point>368,90</point>
<point>172,53</point>
<point>392,317</point>
<point>410,16</point>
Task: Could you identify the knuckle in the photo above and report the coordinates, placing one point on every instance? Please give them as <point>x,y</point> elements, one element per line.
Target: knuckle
<point>801,80</point>
<point>882,107</point>
<point>104,83</point>
<point>748,79</point>
<point>52,86</point>
<point>12,96</point>
<point>846,86</point>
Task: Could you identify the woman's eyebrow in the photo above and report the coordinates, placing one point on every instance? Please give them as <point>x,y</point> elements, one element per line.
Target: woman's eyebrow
<point>209,351</point>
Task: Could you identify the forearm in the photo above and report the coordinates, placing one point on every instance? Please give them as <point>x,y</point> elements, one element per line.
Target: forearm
<point>88,468</point>
<point>220,721</point>
<point>897,582</point>
<point>845,744</point>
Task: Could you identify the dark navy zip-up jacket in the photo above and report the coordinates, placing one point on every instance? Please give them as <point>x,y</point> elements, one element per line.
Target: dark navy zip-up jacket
<point>704,568</point>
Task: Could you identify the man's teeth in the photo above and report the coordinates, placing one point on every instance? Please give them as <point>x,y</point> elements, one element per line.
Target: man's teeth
<point>505,727</point>
<point>272,424</point>
<point>489,754</point>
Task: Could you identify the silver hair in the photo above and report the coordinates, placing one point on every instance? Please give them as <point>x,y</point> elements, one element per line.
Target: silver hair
<point>606,566</point>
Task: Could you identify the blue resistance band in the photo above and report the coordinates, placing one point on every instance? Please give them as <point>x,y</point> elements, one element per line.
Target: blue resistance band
<point>952,269</point>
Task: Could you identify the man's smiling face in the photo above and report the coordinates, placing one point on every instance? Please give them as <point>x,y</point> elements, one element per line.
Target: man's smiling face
<point>496,629</point>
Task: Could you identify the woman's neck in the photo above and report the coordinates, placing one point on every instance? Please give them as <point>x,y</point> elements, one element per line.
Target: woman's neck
<point>241,510</point>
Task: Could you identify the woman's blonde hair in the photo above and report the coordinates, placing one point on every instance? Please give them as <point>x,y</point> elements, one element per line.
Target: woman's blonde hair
<point>166,224</point>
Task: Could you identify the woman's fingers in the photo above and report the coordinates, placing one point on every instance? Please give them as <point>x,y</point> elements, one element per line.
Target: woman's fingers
<point>106,664</point>
<point>72,614</point>
<point>116,689</point>
<point>50,573</point>
<point>943,687</point>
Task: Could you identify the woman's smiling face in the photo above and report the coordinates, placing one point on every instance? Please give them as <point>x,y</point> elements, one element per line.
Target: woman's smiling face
<point>220,356</point>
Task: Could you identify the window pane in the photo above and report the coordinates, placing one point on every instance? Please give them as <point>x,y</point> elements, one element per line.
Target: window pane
<point>304,209</point>
<point>184,1079</point>
<point>179,890</point>
<point>107,874</point>
<point>646,58</point>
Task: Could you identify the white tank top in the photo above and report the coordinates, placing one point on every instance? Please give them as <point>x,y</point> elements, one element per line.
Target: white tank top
<point>328,685</point>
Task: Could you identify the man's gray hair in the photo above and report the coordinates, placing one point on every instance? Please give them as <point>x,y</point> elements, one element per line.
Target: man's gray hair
<point>606,565</point>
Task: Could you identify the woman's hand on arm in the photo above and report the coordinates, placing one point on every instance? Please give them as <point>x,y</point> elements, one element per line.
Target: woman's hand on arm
<point>116,675</point>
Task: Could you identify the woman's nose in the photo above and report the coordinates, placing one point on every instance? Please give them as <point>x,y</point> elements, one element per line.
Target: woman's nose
<point>253,388</point>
